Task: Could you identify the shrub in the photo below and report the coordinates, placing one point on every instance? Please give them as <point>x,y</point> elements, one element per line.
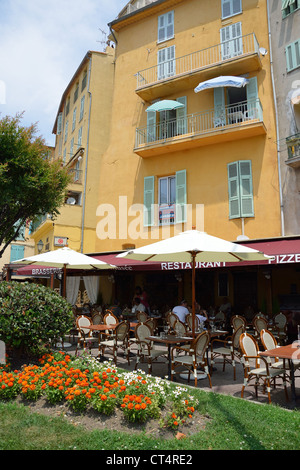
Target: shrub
<point>32,316</point>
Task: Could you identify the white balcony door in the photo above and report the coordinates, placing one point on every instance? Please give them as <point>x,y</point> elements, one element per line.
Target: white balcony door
<point>231,41</point>
<point>166,62</point>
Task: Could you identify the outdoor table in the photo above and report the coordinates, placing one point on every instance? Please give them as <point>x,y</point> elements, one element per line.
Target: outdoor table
<point>290,352</point>
<point>170,340</point>
<point>103,327</point>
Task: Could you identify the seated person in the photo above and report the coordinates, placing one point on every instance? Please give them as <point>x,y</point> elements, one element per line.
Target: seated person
<point>181,311</point>
<point>200,313</point>
<point>138,306</point>
<point>116,309</point>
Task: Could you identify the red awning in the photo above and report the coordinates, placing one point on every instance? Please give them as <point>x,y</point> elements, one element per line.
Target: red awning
<point>283,250</point>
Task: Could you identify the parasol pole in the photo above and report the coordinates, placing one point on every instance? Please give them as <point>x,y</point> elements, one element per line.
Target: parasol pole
<point>193,253</point>
<point>65,281</point>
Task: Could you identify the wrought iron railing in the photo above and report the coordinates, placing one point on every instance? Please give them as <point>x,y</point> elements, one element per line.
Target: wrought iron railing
<point>293,145</point>
<point>76,175</point>
<point>201,123</point>
<point>227,50</point>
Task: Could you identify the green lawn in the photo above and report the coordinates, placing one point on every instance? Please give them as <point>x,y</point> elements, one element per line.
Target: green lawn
<point>234,424</point>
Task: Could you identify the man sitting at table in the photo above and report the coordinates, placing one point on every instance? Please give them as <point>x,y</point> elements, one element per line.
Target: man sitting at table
<point>138,306</point>
<point>181,311</point>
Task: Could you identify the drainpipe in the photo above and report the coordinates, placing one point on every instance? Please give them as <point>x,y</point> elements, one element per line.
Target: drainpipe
<point>277,125</point>
<point>86,160</point>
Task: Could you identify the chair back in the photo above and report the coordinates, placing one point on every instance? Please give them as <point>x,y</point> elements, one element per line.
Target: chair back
<point>122,330</point>
<point>109,318</point>
<point>236,337</point>
<point>200,344</point>
<point>97,318</point>
<point>237,321</point>
<point>142,331</point>
<point>82,322</point>
<point>260,323</point>
<point>189,320</point>
<point>249,347</point>
<point>172,319</point>
<point>152,323</point>
<point>280,321</point>
<point>220,319</point>
<point>141,316</point>
<point>180,328</point>
<point>267,339</point>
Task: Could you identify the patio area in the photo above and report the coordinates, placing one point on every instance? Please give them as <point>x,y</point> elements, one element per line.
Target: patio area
<point>222,382</point>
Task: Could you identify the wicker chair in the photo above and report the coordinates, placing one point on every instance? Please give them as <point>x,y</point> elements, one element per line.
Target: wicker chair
<point>189,321</point>
<point>253,370</point>
<point>85,334</point>
<point>220,320</point>
<point>280,322</point>
<point>142,317</point>
<point>237,321</point>
<point>146,349</point>
<point>229,351</point>
<point>259,324</point>
<point>192,359</point>
<point>118,340</point>
<point>171,321</point>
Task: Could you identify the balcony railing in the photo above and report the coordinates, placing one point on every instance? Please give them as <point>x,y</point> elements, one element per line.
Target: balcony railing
<point>293,146</point>
<point>199,124</point>
<point>76,175</point>
<point>225,51</point>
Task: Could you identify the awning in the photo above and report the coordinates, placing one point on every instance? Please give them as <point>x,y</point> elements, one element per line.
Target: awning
<point>283,250</point>
<point>222,81</point>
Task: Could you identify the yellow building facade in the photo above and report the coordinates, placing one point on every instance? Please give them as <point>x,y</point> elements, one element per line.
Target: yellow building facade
<point>211,163</point>
<point>82,136</point>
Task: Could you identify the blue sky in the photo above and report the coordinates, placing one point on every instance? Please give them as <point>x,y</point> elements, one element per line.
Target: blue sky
<point>42,44</point>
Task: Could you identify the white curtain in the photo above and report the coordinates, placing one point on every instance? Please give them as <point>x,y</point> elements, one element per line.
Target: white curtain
<point>92,287</point>
<point>72,285</point>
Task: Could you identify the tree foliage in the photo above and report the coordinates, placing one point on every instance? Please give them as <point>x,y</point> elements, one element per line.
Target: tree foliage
<point>30,184</point>
<point>32,316</point>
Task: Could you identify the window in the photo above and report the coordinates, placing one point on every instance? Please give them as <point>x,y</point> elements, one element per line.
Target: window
<point>231,39</point>
<point>59,123</point>
<point>166,62</point>
<point>84,80</point>
<point>68,106</point>
<point>66,131</point>
<point>292,52</point>
<point>72,148</point>
<point>172,198</point>
<point>74,119</point>
<point>64,155</point>
<point>165,26</point>
<point>166,200</point>
<point>16,252</point>
<point>81,108</point>
<point>73,198</point>
<point>289,6</point>
<point>76,92</point>
<point>79,142</point>
<point>240,189</point>
<point>231,7</point>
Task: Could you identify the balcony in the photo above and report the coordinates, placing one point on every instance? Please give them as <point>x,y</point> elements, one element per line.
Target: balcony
<point>75,175</point>
<point>293,148</point>
<point>235,57</point>
<point>213,126</point>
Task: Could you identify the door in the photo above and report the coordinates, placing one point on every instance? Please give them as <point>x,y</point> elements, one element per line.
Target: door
<point>245,291</point>
<point>231,41</point>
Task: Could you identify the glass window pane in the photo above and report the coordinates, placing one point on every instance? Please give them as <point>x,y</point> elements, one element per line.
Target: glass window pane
<point>163,191</point>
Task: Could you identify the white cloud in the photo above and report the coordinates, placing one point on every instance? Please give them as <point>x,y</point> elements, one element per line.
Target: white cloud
<point>42,44</point>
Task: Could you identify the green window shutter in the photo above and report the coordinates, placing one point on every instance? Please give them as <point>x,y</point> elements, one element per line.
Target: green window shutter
<point>233,190</point>
<point>246,188</point>
<point>181,196</point>
<point>16,252</point>
<point>219,104</point>
<point>252,97</point>
<point>292,52</point>
<point>151,126</point>
<point>240,189</point>
<point>181,117</point>
<point>148,201</point>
